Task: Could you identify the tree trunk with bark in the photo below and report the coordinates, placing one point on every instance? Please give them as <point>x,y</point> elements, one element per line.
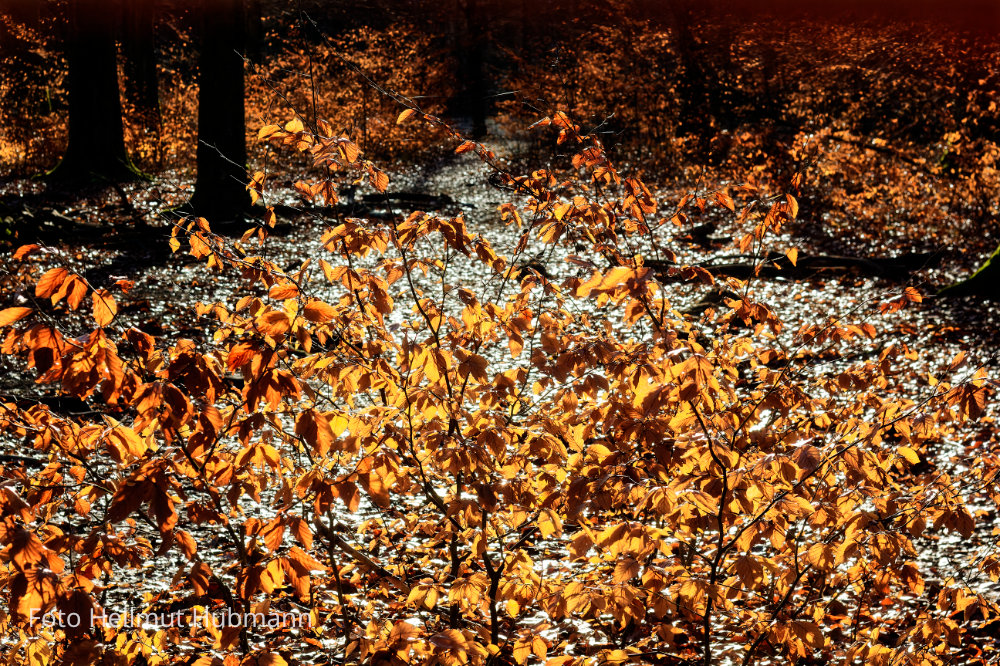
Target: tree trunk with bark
<point>220,192</point>
<point>469,39</point>
<point>96,148</point>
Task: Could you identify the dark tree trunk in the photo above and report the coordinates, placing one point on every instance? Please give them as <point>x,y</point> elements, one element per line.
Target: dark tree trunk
<point>469,36</point>
<point>704,66</point>
<point>96,146</point>
<point>693,113</point>
<point>255,32</point>
<point>139,48</point>
<point>220,192</point>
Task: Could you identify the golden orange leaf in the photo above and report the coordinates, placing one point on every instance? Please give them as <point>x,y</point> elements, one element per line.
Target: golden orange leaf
<point>314,428</point>
<point>318,311</point>
<point>12,315</point>
<point>283,291</point>
<point>105,307</point>
<point>50,281</point>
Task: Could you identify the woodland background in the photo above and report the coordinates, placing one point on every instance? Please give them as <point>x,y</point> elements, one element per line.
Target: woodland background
<point>500,332</point>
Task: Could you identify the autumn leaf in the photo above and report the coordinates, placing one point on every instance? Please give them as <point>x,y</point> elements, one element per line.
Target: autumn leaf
<point>725,200</point>
<point>549,523</point>
<point>199,246</point>
<point>402,632</point>
<point>12,315</point>
<point>105,307</point>
<point>240,355</point>
<point>794,505</point>
<point>26,549</point>
<point>809,632</point>
<point>314,428</point>
<point>304,560</point>
<point>23,251</point>
<point>79,604</point>
<point>127,440</point>
<point>318,311</point>
<point>267,131</point>
<point>610,280</point>
<point>793,206</point>
<point>302,532</point>
<point>273,533</point>
<point>626,569</point>
<point>380,180</point>
<point>615,657</point>
<point>807,457</point>
<point>348,150</point>
<point>450,640</point>
<point>186,543</point>
<point>274,323</point>
<point>283,291</point>
<point>77,291</point>
<point>50,281</point>
<point>406,113</point>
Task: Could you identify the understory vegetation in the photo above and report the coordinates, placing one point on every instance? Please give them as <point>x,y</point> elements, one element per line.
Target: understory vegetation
<point>651,372</point>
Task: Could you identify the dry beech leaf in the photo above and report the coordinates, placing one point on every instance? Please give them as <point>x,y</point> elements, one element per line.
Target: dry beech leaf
<point>11,315</point>
<point>105,307</point>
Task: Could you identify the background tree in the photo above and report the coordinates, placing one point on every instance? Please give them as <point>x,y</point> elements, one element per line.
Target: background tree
<point>139,51</point>
<point>96,146</point>
<point>220,192</point>
<point>469,34</point>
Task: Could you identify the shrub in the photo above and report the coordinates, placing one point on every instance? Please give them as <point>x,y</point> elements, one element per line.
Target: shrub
<point>439,454</point>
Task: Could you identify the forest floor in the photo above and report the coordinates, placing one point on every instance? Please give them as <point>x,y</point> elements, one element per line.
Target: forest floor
<point>122,233</point>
